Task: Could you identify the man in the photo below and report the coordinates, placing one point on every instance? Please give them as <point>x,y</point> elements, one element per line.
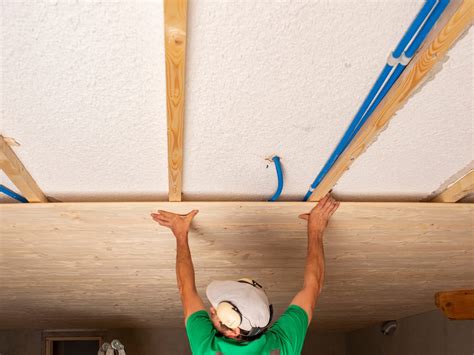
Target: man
<point>240,312</point>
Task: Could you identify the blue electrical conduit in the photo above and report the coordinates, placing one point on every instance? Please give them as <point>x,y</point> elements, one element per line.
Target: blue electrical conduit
<point>414,36</point>
<point>12,194</point>
<point>276,160</point>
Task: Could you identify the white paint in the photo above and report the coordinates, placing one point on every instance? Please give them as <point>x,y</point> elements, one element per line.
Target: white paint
<point>83,87</point>
<point>83,91</point>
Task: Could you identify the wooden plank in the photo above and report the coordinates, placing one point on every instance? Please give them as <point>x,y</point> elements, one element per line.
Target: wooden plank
<point>456,305</point>
<point>457,190</point>
<point>456,19</point>
<point>17,173</point>
<point>175,53</point>
<point>11,141</point>
<point>110,265</point>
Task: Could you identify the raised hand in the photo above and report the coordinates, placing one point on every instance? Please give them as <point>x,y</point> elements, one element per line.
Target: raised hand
<point>178,223</point>
<point>319,216</point>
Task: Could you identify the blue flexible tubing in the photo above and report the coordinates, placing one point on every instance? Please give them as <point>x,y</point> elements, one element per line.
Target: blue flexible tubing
<point>277,193</point>
<point>411,50</point>
<point>12,194</point>
<point>421,20</point>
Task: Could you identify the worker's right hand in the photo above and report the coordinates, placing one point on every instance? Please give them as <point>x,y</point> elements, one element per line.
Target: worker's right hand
<point>319,216</point>
<point>178,223</point>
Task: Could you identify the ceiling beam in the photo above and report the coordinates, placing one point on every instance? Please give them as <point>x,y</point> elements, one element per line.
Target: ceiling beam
<point>457,190</point>
<point>456,19</point>
<point>17,173</point>
<point>456,305</point>
<point>175,55</point>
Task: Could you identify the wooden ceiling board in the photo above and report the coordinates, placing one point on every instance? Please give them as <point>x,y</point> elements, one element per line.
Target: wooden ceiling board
<point>79,265</point>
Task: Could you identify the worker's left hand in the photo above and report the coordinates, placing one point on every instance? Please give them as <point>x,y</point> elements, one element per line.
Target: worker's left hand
<point>178,223</point>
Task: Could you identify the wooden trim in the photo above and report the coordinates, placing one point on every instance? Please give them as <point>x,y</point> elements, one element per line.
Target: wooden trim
<point>457,190</point>
<point>175,53</point>
<point>73,338</point>
<point>16,171</point>
<point>456,305</point>
<point>456,19</point>
<point>11,142</point>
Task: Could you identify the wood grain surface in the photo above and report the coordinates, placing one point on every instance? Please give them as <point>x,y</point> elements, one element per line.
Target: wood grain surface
<point>175,53</point>
<point>101,265</point>
<point>456,305</point>
<point>457,190</point>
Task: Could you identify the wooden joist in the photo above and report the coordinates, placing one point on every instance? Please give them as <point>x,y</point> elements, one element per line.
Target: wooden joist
<point>17,173</point>
<point>456,305</point>
<point>457,18</point>
<point>457,190</point>
<point>175,53</point>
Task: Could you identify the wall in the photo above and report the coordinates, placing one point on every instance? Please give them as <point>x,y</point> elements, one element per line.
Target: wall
<point>20,342</point>
<point>155,341</point>
<point>428,333</point>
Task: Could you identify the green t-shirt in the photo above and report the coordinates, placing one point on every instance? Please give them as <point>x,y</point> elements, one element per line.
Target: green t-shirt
<point>285,337</point>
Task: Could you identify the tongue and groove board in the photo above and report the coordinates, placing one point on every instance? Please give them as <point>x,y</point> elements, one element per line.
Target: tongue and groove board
<point>78,265</point>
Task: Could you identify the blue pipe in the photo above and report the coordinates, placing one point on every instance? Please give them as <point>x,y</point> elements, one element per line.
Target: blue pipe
<point>277,193</point>
<point>427,26</point>
<point>430,22</point>
<point>419,20</point>
<point>12,194</point>
<point>419,28</point>
<point>415,25</point>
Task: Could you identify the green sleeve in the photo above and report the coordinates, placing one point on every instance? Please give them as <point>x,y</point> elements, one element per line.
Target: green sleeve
<point>291,329</point>
<point>200,332</point>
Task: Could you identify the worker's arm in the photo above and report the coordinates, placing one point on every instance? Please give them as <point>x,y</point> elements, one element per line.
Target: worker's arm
<point>179,225</point>
<point>317,219</point>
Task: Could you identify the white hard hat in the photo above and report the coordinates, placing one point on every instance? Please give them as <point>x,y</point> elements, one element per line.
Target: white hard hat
<point>241,304</point>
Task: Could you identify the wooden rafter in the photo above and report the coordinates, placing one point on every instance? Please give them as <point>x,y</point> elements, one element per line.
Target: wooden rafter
<point>457,190</point>
<point>456,304</point>
<point>175,52</point>
<point>17,173</point>
<point>457,18</point>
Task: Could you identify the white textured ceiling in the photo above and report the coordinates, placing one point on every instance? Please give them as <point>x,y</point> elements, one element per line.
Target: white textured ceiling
<point>83,91</point>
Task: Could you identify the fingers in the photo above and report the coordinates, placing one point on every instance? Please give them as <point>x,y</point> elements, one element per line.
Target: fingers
<point>166,213</point>
<point>189,217</point>
<point>161,220</point>
<point>171,214</point>
<point>334,206</point>
<point>327,205</point>
<point>166,218</point>
<point>304,216</point>
<point>160,216</point>
<point>193,213</point>
<point>322,203</point>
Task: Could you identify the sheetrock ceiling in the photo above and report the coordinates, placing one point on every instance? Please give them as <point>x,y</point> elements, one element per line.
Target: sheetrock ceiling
<point>83,92</point>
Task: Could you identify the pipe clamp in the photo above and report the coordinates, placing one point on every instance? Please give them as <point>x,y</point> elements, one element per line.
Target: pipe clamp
<point>402,60</point>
